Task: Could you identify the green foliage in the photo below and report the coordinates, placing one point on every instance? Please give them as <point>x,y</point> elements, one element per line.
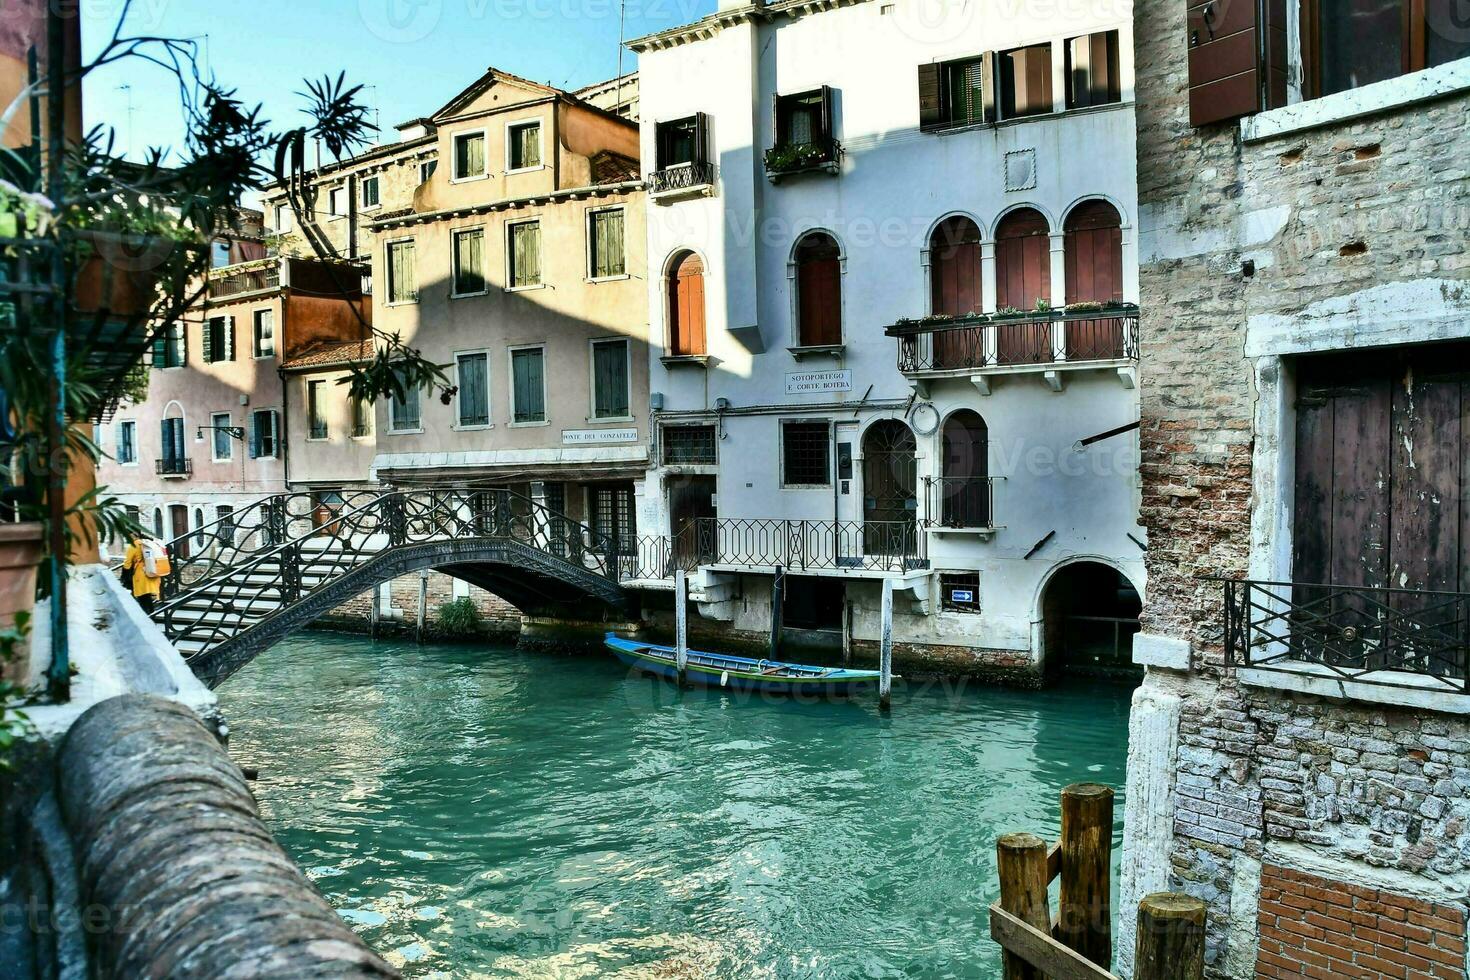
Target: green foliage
<point>460,618</point>
<point>14,724</point>
<point>794,156</point>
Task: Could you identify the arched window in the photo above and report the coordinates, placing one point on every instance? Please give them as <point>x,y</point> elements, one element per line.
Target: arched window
<point>964,486</point>
<point>1094,260</point>
<point>686,305</point>
<point>1022,278</point>
<point>158,523</point>
<point>954,290</point>
<point>818,291</point>
<point>199,526</point>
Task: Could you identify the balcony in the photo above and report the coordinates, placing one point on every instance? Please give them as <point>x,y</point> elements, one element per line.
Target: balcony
<point>1349,637</point>
<point>960,504</point>
<point>877,548</point>
<point>1083,336</point>
<point>786,160</point>
<point>246,277</point>
<point>174,467</point>
<point>681,179</point>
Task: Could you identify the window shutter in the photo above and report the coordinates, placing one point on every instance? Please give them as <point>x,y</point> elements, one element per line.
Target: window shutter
<point>206,342</point>
<point>778,134</point>
<point>254,435</point>
<point>701,138</point>
<point>183,342</point>
<point>230,339</point>
<point>1230,74</point>
<point>160,350</point>
<point>931,107</point>
<point>824,132</point>
<point>275,434</point>
<point>987,86</point>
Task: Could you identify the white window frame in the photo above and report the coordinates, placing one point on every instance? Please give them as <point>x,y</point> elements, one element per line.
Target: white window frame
<point>510,387</point>
<point>454,138</point>
<point>424,165</point>
<point>511,126</point>
<point>587,235</point>
<point>592,380</point>
<point>372,419</point>
<point>388,271</point>
<point>228,337</point>
<point>394,431</point>
<point>489,395</point>
<point>179,343</point>
<point>781,455</point>
<point>281,218</point>
<point>510,287</point>
<point>214,427</point>
<point>454,234</point>
<point>133,427</point>
<point>333,193</point>
<point>362,183</point>
<point>255,353</point>
<point>275,413</point>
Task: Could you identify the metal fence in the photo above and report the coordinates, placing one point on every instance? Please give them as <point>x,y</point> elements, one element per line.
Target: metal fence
<point>960,501</point>
<point>970,343</point>
<point>881,546</point>
<point>1356,632</point>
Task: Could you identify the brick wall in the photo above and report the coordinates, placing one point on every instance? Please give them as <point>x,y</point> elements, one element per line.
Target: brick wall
<point>499,616</point>
<point>1317,927</point>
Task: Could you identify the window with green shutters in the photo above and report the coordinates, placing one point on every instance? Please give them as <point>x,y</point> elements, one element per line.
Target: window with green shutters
<point>169,347</point>
<point>362,418</point>
<point>368,192</point>
<point>265,433</point>
<point>469,262</point>
<point>403,413</point>
<point>265,333</point>
<point>402,282</point>
<point>474,389</point>
<point>469,155</point>
<point>127,442</point>
<point>605,238</point>
<point>525,146</point>
<point>525,254</point>
<point>528,384</point>
<point>224,445</point>
<point>218,339</point>
<point>610,379</point>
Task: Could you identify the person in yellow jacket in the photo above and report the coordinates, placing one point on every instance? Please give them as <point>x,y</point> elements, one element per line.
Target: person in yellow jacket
<point>146,588</point>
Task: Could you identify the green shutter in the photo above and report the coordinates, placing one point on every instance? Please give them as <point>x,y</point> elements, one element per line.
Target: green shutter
<point>529,385</point>
<point>526,254</point>
<point>529,138</point>
<point>469,262</point>
<point>607,244</point>
<point>230,338</point>
<point>610,379</point>
<point>206,341</point>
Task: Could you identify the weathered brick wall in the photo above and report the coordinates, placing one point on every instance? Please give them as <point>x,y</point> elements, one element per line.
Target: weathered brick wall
<point>499,616</point>
<point>1317,927</point>
<point>1231,231</point>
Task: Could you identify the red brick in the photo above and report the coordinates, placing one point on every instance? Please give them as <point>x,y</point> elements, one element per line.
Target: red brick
<point>1382,966</point>
<point>1407,960</point>
<point>1438,923</point>
<point>1438,954</point>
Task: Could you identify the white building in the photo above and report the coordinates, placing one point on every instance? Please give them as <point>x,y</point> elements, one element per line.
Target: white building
<point>820,172</point>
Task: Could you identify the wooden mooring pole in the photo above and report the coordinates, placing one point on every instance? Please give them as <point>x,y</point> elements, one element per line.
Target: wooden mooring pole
<point>681,624</point>
<point>1084,913</point>
<point>778,599</point>
<point>420,627</point>
<point>1171,938</point>
<point>885,650</point>
<point>377,613</point>
<point>1021,861</point>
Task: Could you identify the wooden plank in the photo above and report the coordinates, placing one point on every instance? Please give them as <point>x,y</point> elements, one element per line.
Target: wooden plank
<point>1042,951</point>
<point>1424,543</point>
<point>1362,459</point>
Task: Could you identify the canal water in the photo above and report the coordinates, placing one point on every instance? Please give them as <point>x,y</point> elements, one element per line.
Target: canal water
<point>482,812</point>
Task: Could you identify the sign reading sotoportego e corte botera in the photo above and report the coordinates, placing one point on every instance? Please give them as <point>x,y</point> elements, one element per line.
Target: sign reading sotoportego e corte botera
<point>816,382</point>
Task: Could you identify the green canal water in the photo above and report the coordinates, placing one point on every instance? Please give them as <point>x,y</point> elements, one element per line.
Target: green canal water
<point>482,812</point>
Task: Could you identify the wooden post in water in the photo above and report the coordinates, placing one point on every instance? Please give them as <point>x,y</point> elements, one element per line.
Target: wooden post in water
<point>681,624</point>
<point>1084,912</point>
<point>377,612</point>
<point>1021,861</point>
<point>778,592</point>
<point>423,608</point>
<point>1171,938</point>
<point>885,650</point>
<point>846,632</point>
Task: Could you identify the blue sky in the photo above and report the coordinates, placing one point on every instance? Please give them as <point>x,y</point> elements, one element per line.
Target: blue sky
<point>416,53</point>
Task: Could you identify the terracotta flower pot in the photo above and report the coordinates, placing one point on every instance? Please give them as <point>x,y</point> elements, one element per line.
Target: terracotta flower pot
<point>20,554</point>
<point>120,275</point>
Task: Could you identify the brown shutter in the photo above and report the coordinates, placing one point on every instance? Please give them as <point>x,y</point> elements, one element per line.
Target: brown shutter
<point>1224,68</point>
<point>701,138</point>
<point>931,110</point>
<point>777,136</point>
<point>988,91</point>
<point>827,114</point>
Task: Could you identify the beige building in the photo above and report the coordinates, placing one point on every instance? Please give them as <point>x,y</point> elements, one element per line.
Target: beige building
<point>506,236</point>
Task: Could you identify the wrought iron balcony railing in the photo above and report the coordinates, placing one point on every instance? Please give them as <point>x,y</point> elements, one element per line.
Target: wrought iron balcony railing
<point>961,502</point>
<point>173,466</point>
<point>872,546</point>
<point>681,177</point>
<point>794,158</point>
<point>1365,634</point>
<point>245,278</point>
<point>1046,337</point>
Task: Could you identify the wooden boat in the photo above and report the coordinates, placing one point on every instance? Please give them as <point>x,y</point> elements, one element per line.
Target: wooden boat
<point>741,673</point>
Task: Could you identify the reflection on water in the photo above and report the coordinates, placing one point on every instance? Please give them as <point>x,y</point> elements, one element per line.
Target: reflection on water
<point>480,812</point>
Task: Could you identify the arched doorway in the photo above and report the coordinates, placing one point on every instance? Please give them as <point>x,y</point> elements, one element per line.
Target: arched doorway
<point>1094,260</point>
<point>1022,278</point>
<point>890,482</point>
<point>1089,614</point>
<point>818,291</point>
<point>954,286</point>
<point>686,306</point>
<point>964,485</point>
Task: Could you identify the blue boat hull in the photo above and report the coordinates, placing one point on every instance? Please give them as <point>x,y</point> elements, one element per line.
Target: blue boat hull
<point>742,673</point>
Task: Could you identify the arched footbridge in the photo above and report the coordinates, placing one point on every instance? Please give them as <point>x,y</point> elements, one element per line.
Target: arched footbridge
<point>239,585</point>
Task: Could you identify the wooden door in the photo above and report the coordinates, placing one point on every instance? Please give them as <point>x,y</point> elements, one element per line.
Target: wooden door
<point>819,291</point>
<point>1022,277</point>
<point>178,517</point>
<point>890,485</point>
<point>686,306</point>
<point>954,284</point>
<point>1093,246</point>
<point>693,519</point>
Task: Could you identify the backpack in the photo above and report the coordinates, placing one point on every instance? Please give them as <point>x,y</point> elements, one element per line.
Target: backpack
<point>156,562</point>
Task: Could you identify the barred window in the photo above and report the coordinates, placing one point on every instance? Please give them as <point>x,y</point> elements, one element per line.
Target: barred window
<point>613,516</point>
<point>806,454</point>
<point>689,445</point>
